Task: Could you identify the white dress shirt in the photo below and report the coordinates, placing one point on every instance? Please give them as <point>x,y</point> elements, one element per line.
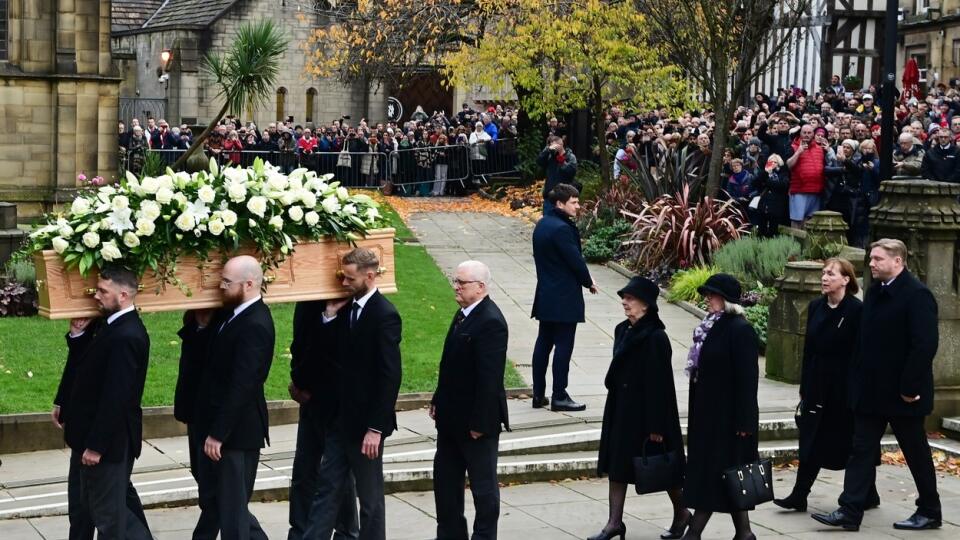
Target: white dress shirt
<point>362,301</point>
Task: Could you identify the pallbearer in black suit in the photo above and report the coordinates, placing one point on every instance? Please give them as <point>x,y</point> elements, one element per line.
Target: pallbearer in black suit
<point>892,383</point>
<point>313,384</point>
<point>98,407</point>
<point>232,418</point>
<point>469,407</point>
<point>361,336</point>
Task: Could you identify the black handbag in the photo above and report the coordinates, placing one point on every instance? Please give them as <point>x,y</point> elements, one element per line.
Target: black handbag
<point>749,485</point>
<point>656,473</point>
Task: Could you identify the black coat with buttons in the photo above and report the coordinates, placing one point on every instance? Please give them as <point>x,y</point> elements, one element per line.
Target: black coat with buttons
<point>641,398</point>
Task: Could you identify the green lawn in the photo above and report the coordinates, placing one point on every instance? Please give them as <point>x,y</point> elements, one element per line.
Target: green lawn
<point>33,350</point>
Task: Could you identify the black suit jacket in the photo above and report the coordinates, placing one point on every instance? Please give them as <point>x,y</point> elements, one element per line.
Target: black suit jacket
<point>195,343</point>
<point>233,408</point>
<point>470,394</point>
<point>101,387</point>
<point>308,370</point>
<point>562,272</point>
<point>898,341</point>
<point>367,363</point>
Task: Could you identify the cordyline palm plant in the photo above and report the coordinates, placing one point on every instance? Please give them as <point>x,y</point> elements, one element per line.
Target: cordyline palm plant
<point>672,230</point>
<point>669,177</point>
<point>245,74</point>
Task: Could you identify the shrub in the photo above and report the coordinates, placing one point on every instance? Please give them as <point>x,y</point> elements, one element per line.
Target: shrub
<point>528,148</point>
<point>755,260</point>
<point>588,174</point>
<point>673,230</point>
<point>759,296</point>
<point>22,271</point>
<point>604,208</point>
<point>757,316</point>
<point>684,284</point>
<point>18,300</point>
<point>820,248</point>
<point>604,242</point>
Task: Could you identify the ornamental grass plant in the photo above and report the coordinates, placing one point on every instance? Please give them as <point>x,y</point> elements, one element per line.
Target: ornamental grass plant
<point>752,259</point>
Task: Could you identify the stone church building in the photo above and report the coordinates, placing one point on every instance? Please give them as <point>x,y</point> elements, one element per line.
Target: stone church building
<point>145,32</point>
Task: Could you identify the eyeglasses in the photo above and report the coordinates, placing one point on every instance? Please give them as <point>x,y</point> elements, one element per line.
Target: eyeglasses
<point>462,282</point>
<point>227,283</point>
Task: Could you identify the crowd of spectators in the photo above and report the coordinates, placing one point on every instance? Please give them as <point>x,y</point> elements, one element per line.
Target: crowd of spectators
<point>416,157</point>
<point>792,154</point>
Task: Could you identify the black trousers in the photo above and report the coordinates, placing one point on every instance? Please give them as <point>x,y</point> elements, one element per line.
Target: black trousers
<point>458,454</point>
<point>224,489</point>
<point>559,338</point>
<point>861,470</point>
<point>306,476</point>
<point>341,457</point>
<point>101,498</point>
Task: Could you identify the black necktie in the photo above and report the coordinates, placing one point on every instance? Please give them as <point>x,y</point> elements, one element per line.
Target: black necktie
<point>458,319</point>
<point>354,314</point>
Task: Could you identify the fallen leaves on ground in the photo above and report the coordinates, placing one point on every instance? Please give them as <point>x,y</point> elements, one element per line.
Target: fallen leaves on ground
<point>511,201</point>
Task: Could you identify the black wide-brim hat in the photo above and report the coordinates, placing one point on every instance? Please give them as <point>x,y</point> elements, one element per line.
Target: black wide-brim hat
<point>642,289</point>
<point>725,285</point>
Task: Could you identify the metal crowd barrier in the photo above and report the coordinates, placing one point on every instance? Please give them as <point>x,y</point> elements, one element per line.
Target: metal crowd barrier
<point>465,164</point>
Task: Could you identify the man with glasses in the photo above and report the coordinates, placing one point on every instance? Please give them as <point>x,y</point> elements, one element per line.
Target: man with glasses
<point>231,412</point>
<point>469,407</point>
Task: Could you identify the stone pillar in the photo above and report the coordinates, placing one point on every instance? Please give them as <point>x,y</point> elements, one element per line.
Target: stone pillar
<point>925,215</point>
<point>787,323</point>
<point>827,226</point>
<point>10,236</point>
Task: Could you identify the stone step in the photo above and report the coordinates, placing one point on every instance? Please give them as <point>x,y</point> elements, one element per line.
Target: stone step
<point>951,427</point>
<point>177,487</point>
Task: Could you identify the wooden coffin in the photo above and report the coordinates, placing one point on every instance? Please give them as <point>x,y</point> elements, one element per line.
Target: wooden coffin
<point>309,273</point>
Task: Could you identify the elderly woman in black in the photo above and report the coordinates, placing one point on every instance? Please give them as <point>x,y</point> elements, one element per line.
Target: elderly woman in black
<point>723,414</point>
<point>824,415</point>
<point>641,404</point>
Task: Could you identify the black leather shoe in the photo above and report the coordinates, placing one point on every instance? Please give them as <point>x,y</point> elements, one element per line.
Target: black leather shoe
<point>540,402</point>
<point>872,502</point>
<point>792,502</point>
<point>837,519</point>
<point>916,522</point>
<point>604,534</point>
<point>566,403</point>
<point>677,528</point>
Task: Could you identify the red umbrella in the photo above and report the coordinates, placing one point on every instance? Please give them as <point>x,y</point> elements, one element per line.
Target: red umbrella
<point>911,81</point>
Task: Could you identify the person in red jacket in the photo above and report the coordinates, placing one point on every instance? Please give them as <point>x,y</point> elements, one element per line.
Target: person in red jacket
<point>806,175</point>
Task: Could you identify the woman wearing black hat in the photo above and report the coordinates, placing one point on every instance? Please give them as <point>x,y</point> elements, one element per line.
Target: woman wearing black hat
<point>641,406</point>
<point>723,413</point>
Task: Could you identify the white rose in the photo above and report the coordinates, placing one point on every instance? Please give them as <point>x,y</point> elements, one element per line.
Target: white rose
<point>276,222</point>
<point>229,218</point>
<point>312,218</point>
<point>277,182</point>
<point>184,222</point>
<point>60,245</point>
<point>216,227</point>
<point>236,192</point>
<point>110,251</point>
<point>166,182</point>
<point>308,198</point>
<point>372,213</point>
<point>149,210</point>
<point>295,213</point>
<point>66,231</point>
<point>120,202</point>
<point>287,198</point>
<point>150,185</point>
<point>350,210</point>
<point>342,193</point>
<point>330,205</point>
<point>164,195</point>
<point>145,227</point>
<point>296,181</point>
<point>91,239</point>
<point>207,194</point>
<point>252,223</point>
<point>80,207</point>
<point>257,205</point>
<point>180,198</point>
<point>131,240</point>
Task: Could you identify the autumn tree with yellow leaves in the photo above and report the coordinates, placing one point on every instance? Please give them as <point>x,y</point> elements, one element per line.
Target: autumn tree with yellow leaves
<point>555,55</point>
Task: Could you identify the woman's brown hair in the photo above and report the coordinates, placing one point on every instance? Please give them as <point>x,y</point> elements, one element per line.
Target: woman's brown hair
<point>846,269</point>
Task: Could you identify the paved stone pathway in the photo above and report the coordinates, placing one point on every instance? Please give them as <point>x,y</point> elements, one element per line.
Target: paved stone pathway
<point>577,509</point>
<point>504,243</point>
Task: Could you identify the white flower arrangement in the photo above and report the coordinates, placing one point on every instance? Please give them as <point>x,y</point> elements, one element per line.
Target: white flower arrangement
<point>148,222</point>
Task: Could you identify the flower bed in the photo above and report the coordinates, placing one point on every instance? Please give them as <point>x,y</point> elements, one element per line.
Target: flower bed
<point>175,230</point>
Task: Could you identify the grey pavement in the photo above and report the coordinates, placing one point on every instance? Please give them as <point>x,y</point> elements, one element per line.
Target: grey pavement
<point>504,244</point>
<point>577,508</point>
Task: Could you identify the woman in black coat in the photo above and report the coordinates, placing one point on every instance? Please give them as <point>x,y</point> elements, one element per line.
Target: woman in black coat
<point>641,406</point>
<point>824,416</point>
<point>773,183</point>
<point>723,413</point>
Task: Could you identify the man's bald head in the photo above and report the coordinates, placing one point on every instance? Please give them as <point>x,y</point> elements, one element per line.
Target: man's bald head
<point>246,268</point>
<point>242,278</point>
